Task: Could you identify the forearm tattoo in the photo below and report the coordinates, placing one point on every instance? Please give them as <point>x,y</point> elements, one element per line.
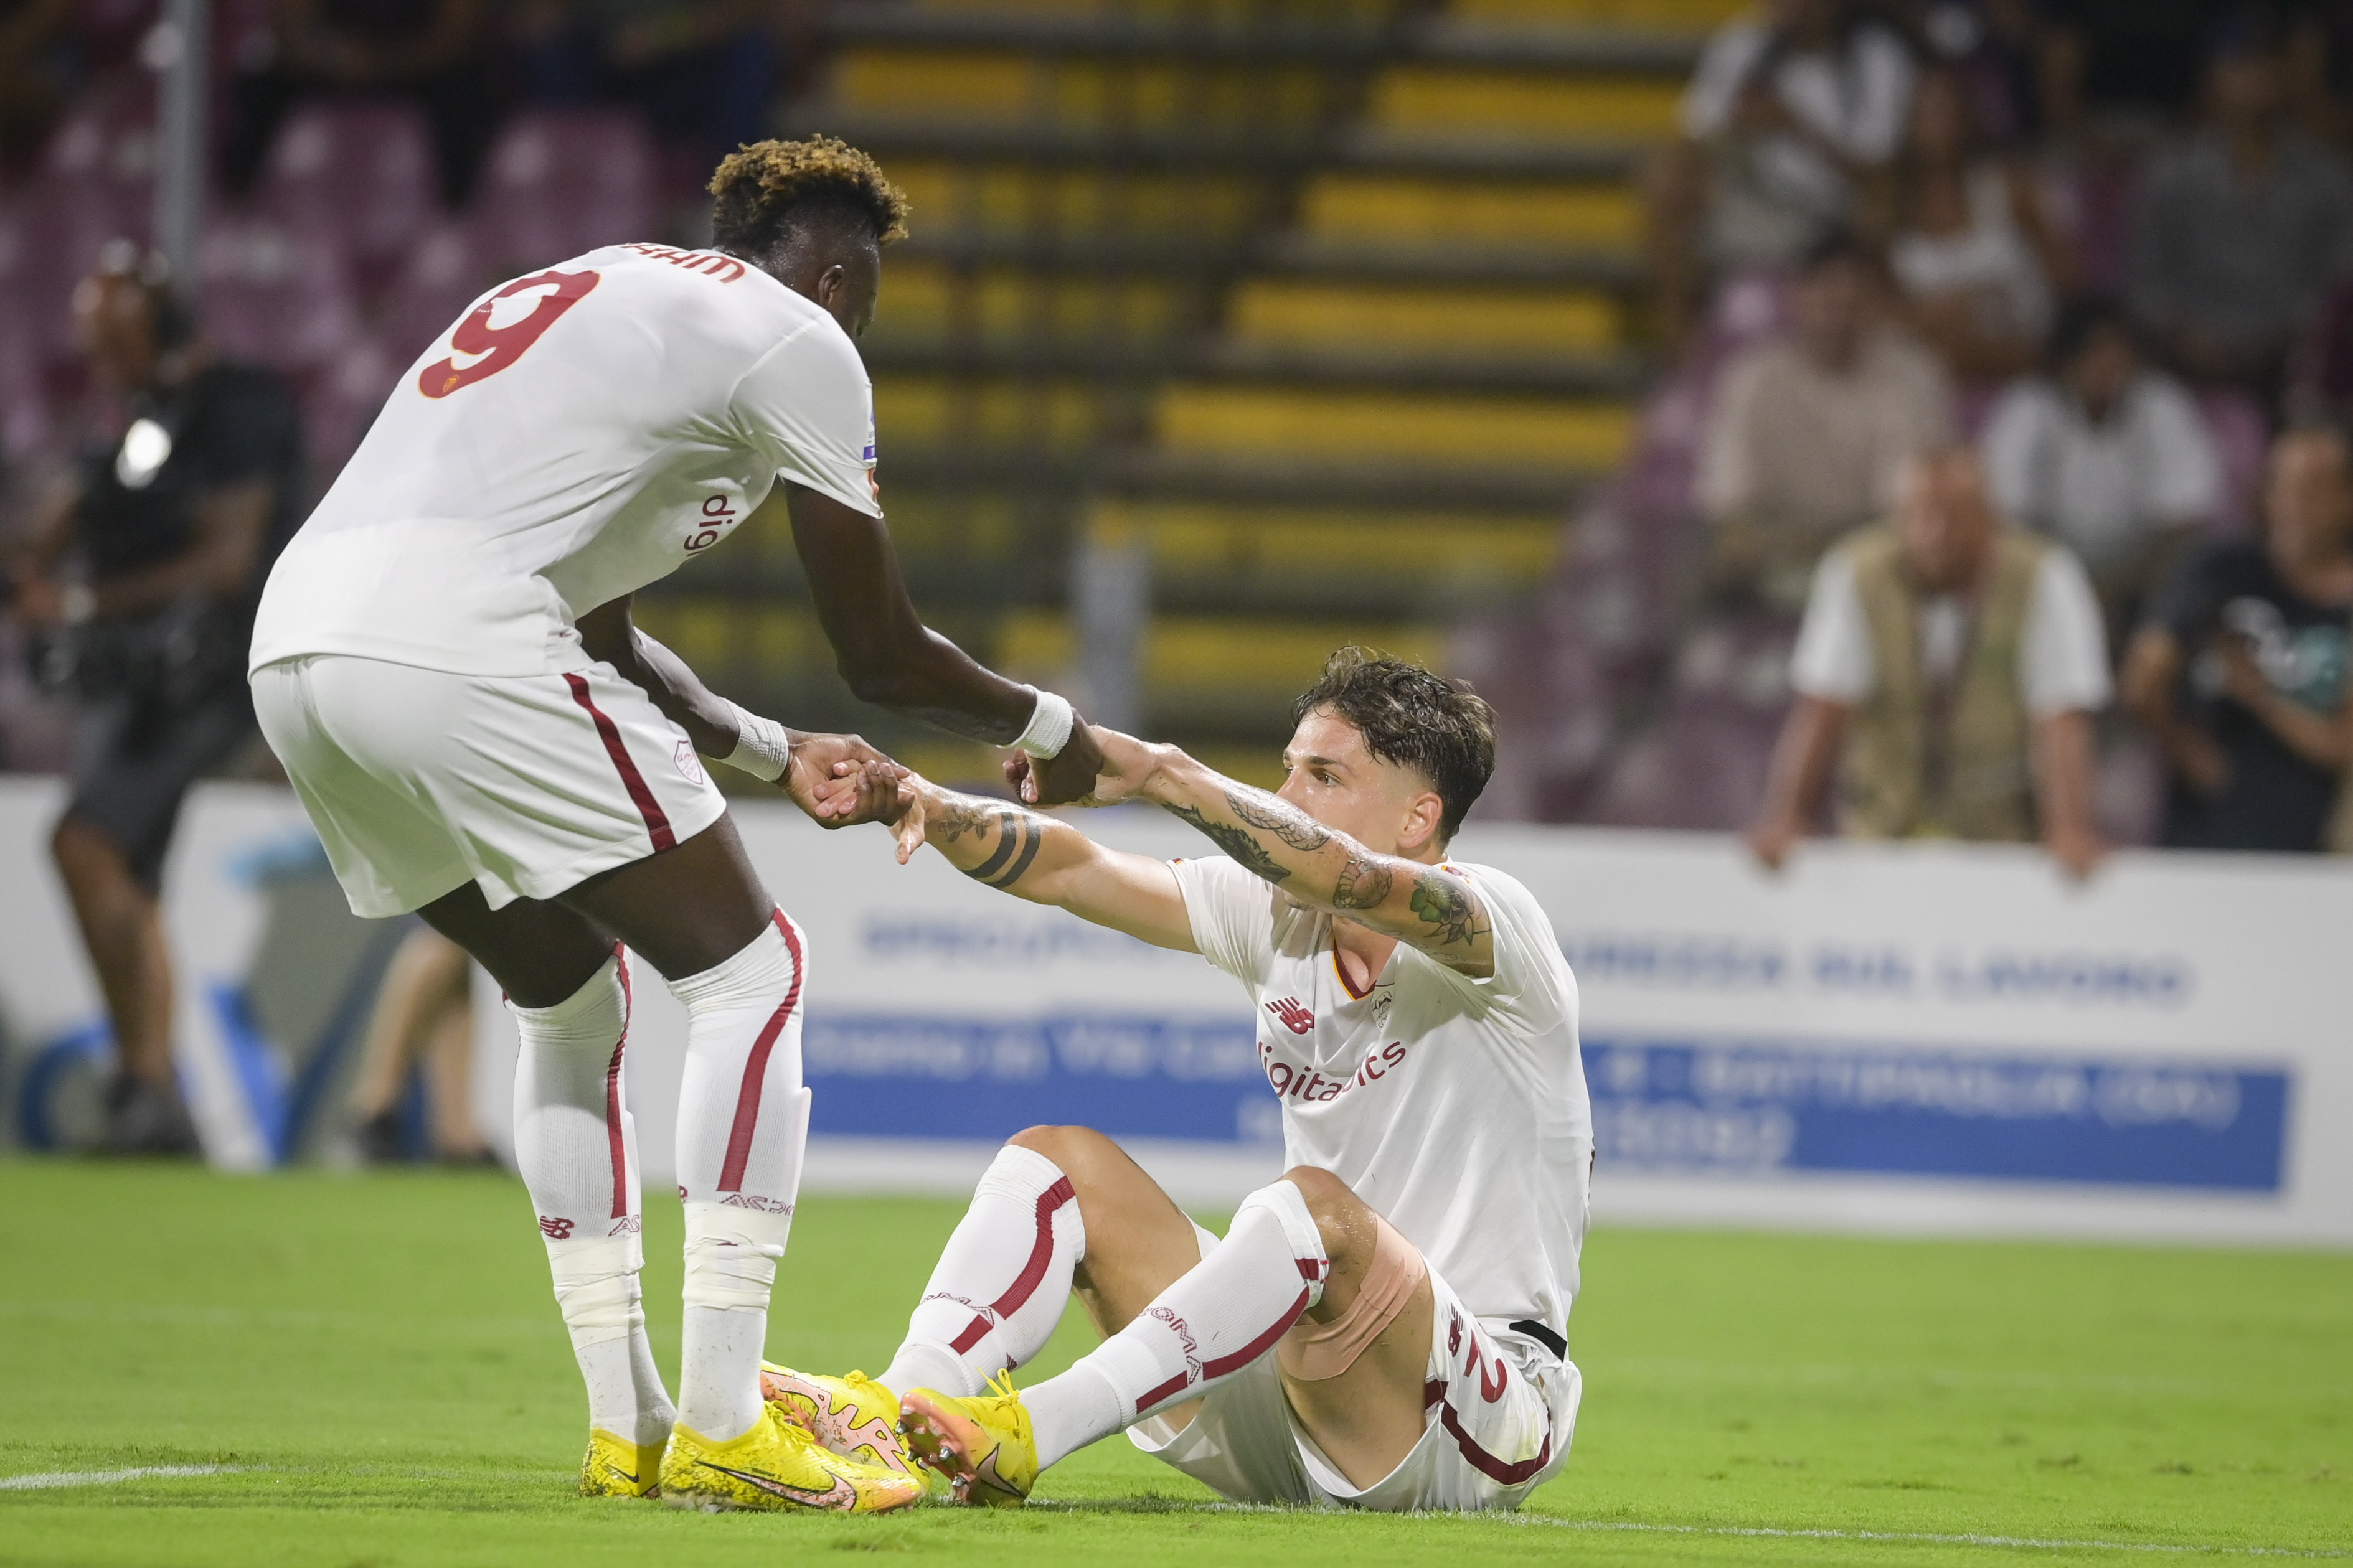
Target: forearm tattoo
<point>1285,821</point>
<point>1019,835</point>
<point>1442,902</point>
<point>1238,842</point>
<point>1364,884</point>
<point>962,815</point>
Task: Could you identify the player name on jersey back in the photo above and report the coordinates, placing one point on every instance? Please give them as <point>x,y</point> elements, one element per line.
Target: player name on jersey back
<point>578,433</point>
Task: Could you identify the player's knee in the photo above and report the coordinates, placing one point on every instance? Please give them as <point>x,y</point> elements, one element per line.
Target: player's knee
<point>1072,1149</point>
<point>1337,1211</point>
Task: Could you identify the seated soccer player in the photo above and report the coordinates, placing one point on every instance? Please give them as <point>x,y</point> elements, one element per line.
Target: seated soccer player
<point>1385,1326</point>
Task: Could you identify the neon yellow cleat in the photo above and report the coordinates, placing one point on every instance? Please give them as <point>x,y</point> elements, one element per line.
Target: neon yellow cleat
<point>615,1466</point>
<point>777,1466</point>
<point>983,1446</point>
<point>853,1416</point>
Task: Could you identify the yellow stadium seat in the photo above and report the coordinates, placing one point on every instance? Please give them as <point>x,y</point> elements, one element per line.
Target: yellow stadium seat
<point>1187,659</point>
<point>1436,100</point>
<point>931,411</point>
<point>1453,430</point>
<point>1008,89</point>
<point>1411,549</point>
<point>1493,320</point>
<point>1010,199</point>
<point>926,300</point>
<point>1648,16</point>
<point>1485,212</point>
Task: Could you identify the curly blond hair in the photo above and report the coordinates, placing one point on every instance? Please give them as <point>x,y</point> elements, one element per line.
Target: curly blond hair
<point>763,188</point>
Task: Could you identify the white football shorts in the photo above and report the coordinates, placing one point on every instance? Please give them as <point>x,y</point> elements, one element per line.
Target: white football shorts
<point>1498,1413</point>
<point>419,781</point>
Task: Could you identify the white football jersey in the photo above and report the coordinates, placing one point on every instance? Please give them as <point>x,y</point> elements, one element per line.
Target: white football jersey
<point>579,432</point>
<point>1455,1107</point>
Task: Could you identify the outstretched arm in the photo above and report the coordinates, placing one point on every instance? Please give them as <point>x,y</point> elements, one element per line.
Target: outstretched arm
<point>1420,904</point>
<point>891,659</point>
<point>1049,862</point>
<point>839,779</point>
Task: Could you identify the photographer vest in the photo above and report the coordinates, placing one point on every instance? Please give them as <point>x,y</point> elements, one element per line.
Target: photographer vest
<point>1949,759</point>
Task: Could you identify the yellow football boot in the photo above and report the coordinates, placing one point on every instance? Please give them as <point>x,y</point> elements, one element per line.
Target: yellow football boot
<point>853,1416</point>
<point>617,1467</point>
<point>983,1446</point>
<point>777,1466</point>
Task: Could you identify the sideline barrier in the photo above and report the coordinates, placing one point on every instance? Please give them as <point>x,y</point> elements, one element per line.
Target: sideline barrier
<point>1919,1039</point>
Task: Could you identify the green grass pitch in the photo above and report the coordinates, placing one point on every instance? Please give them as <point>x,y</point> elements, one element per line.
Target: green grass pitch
<point>372,1373</point>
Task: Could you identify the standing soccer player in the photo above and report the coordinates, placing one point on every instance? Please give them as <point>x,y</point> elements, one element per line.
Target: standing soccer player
<point>1386,1325</point>
<point>445,662</point>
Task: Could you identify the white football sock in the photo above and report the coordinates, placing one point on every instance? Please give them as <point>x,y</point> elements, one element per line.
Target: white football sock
<point>576,1147</point>
<point>742,1120</point>
<point>1215,1320</point>
<point>1001,1281</point>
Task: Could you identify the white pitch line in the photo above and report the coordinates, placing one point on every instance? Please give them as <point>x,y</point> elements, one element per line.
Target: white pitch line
<point>47,1480</point>
<point>1921,1537</point>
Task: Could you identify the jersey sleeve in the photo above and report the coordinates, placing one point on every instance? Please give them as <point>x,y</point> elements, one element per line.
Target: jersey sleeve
<point>809,407</point>
<point>1531,983</point>
<point>1233,914</point>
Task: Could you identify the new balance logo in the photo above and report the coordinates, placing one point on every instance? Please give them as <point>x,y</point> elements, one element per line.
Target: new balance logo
<point>754,1201</point>
<point>555,1229</point>
<point>1292,1015</point>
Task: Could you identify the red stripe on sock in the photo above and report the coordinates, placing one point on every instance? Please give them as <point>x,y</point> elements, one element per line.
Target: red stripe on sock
<point>657,822</point>
<point>1025,1284</point>
<point>613,1095</point>
<point>1218,1366</point>
<point>756,1071</point>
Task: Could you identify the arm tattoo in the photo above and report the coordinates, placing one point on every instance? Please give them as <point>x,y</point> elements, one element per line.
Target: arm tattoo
<point>1238,842</point>
<point>963,815</point>
<point>1019,834</point>
<point>1443,903</point>
<point>1364,883</point>
<point>1293,826</point>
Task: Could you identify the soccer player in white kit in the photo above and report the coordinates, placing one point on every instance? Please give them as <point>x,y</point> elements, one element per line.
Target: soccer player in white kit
<point>444,662</point>
<point>1386,1327</point>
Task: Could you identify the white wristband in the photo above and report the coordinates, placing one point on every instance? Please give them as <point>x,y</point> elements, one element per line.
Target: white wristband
<point>1049,727</point>
<point>762,747</point>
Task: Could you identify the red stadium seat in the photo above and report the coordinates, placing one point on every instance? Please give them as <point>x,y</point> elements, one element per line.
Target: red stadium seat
<point>362,172</point>
<point>444,272</point>
<point>563,181</point>
<point>276,295</point>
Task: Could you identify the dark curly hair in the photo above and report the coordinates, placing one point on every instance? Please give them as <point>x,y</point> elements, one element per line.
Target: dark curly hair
<point>1413,717</point>
<point>766,188</point>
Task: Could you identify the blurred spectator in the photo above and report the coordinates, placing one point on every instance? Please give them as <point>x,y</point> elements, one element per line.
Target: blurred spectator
<point>702,71</point>
<point>2137,58</point>
<point>1996,48</point>
<point>424,1018</point>
<point>2240,671</point>
<point>433,52</point>
<point>2104,455</point>
<point>33,32</point>
<point>1948,672</point>
<point>1789,105</point>
<point>2320,372</point>
<point>2241,230</point>
<point>1973,249</point>
<point>139,579</point>
<point>1808,433</point>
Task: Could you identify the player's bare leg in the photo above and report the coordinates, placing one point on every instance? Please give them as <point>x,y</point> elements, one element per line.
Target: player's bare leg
<point>1175,1322</point>
<point>699,915</point>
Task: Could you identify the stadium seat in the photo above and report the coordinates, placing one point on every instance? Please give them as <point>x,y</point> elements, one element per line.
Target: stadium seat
<point>561,182</point>
<point>277,295</point>
<point>1701,764</point>
<point>341,401</point>
<point>2241,439</point>
<point>445,271</point>
<point>362,172</point>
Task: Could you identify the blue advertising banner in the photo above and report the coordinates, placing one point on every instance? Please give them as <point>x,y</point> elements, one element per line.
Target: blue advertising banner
<point>909,1075</point>
<point>1727,1108</point>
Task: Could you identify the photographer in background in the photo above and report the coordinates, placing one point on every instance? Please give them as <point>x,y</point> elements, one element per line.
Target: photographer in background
<point>137,582</point>
<point>2240,669</point>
